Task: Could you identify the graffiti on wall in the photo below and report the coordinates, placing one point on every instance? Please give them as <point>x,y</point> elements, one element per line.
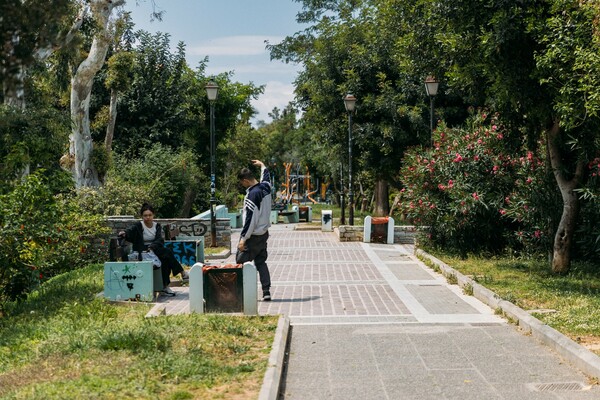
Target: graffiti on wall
<point>128,281</point>
<point>184,250</point>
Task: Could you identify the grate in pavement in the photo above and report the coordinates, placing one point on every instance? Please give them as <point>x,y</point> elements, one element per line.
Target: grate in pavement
<point>559,387</point>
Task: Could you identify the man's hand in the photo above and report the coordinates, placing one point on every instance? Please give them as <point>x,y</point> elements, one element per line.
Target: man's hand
<point>258,163</point>
<point>242,245</point>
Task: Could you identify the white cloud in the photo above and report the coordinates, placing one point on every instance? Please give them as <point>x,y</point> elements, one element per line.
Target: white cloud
<point>277,94</point>
<point>233,46</point>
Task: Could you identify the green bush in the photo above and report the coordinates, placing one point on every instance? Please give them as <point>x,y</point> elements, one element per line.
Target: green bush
<point>42,235</point>
<point>163,177</point>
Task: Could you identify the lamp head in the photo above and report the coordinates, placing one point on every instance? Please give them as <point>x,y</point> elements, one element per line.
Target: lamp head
<point>212,90</point>
<point>350,102</point>
<point>431,85</point>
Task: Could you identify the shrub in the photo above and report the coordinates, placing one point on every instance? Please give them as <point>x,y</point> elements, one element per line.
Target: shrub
<point>456,187</point>
<point>41,235</point>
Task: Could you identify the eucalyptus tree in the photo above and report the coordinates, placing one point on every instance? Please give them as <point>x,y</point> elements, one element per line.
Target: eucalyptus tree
<point>80,141</point>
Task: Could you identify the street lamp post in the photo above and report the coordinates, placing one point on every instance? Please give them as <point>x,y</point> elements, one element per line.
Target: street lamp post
<point>431,86</point>
<point>350,103</point>
<point>212,90</point>
<point>342,196</point>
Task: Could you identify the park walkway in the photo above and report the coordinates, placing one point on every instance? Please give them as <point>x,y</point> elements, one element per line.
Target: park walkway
<point>370,321</point>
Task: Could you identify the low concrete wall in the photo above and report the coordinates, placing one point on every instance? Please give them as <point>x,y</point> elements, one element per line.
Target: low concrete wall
<point>403,234</point>
<point>187,227</point>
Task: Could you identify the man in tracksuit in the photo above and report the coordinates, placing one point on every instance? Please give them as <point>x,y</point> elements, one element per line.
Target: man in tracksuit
<point>256,216</point>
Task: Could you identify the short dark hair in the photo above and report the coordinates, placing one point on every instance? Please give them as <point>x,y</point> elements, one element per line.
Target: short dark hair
<point>245,173</point>
<point>147,207</point>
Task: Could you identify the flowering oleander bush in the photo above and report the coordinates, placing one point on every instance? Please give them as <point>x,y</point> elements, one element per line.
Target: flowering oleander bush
<point>475,190</point>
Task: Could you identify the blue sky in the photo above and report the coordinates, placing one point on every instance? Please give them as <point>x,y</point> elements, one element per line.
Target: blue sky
<point>232,34</point>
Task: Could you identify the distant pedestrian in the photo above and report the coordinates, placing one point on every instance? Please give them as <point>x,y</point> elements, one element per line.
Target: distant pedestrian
<point>257,220</point>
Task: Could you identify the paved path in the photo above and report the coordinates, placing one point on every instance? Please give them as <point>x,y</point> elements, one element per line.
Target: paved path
<point>370,321</point>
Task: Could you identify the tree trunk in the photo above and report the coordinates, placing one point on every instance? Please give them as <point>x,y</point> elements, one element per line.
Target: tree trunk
<point>382,200</point>
<point>188,201</point>
<point>81,144</point>
<point>563,238</point>
<point>13,89</point>
<point>395,203</point>
<point>112,119</point>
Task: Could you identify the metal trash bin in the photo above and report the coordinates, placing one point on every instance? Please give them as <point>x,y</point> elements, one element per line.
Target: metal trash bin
<point>224,289</point>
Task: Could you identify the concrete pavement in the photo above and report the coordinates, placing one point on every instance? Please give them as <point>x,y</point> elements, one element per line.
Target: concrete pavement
<point>371,321</point>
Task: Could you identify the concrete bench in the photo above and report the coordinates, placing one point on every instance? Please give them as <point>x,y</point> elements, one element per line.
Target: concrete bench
<point>187,250</point>
<point>236,219</point>
<point>290,217</point>
<point>131,280</point>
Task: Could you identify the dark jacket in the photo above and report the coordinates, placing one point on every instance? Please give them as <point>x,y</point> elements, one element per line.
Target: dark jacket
<point>135,235</point>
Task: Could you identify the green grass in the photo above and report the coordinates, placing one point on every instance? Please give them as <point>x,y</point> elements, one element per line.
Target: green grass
<point>63,340</point>
<point>529,284</point>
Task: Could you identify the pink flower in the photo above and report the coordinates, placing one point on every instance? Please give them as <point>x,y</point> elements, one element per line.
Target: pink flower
<point>529,180</point>
<point>441,187</point>
<point>500,136</point>
<point>450,183</point>
<point>475,196</point>
<point>537,234</point>
<point>458,158</point>
<point>502,211</point>
<point>494,127</point>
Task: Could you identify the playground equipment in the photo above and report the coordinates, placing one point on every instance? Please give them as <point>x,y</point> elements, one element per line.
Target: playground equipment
<point>296,187</point>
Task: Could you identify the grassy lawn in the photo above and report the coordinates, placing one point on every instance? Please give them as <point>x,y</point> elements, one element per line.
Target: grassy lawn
<point>65,343</point>
<point>570,304</point>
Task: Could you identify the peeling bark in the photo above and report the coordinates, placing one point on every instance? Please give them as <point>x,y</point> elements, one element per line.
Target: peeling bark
<point>563,238</point>
<point>81,144</point>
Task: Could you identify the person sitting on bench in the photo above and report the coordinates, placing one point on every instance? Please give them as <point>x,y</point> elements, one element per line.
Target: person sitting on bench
<point>147,235</point>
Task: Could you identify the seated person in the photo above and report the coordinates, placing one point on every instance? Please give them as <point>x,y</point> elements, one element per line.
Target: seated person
<point>147,235</point>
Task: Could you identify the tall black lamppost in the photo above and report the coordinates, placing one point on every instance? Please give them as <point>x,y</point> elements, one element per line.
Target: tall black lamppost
<point>212,90</point>
<point>350,103</point>
<point>431,86</point>
<point>342,196</point>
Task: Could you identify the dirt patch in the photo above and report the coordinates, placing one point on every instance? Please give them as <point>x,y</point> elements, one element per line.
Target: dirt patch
<point>592,343</point>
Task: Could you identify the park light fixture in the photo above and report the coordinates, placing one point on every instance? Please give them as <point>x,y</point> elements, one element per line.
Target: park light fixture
<point>212,91</point>
<point>350,104</point>
<point>431,86</point>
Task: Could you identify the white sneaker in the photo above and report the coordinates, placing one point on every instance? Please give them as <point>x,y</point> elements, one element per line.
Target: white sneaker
<point>168,291</point>
<point>185,275</point>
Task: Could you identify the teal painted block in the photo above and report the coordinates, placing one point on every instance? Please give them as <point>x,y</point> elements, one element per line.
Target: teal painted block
<point>236,220</point>
<point>186,251</point>
<point>274,216</point>
<point>129,280</point>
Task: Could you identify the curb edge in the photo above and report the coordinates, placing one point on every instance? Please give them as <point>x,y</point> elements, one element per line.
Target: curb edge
<point>272,380</point>
<point>582,358</point>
